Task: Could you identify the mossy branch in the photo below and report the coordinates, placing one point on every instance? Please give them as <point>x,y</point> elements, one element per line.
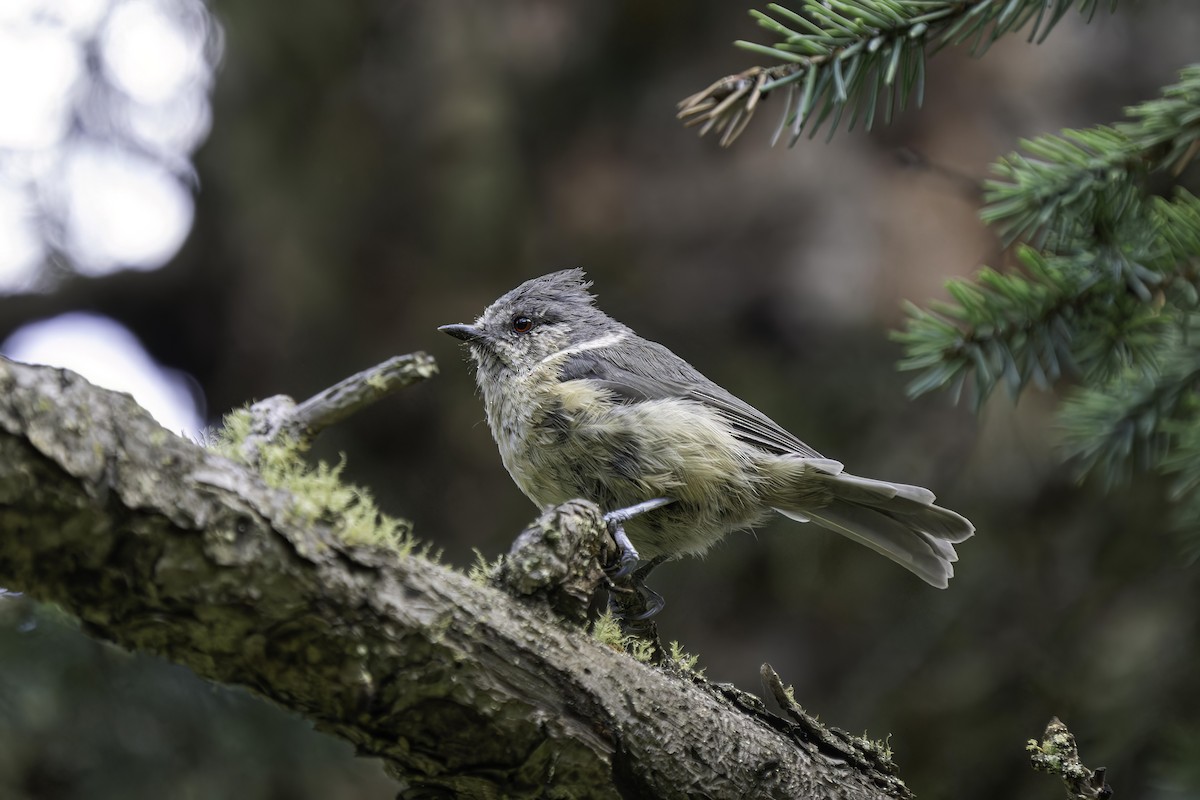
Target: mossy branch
<point>1058,754</point>
<point>161,545</point>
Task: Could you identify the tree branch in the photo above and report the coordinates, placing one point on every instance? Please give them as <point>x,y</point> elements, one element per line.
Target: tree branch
<point>160,545</point>
<point>1058,754</point>
<point>280,416</point>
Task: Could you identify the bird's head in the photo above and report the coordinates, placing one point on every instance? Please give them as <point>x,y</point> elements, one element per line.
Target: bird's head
<point>534,322</point>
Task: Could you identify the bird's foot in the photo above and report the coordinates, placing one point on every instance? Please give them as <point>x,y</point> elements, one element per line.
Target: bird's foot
<point>627,554</point>
<point>634,601</point>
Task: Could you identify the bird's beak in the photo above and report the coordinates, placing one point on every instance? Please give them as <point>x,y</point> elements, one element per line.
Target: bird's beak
<point>467,333</point>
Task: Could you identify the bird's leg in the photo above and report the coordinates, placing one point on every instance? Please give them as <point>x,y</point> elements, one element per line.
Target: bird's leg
<point>627,554</point>
<point>631,600</point>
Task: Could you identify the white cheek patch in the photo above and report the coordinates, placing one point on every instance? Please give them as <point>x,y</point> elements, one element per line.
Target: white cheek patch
<point>607,340</point>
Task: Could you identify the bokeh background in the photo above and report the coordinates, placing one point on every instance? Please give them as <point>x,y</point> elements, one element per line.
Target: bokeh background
<point>206,204</point>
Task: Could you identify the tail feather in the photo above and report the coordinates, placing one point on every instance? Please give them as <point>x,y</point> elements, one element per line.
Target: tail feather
<point>865,490</point>
<point>896,520</point>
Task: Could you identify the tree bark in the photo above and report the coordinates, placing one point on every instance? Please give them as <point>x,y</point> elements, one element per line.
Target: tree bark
<point>160,545</point>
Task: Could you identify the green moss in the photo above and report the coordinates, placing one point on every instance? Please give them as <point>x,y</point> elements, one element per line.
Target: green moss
<point>319,493</point>
<point>1045,758</point>
<point>482,571</point>
<point>683,660</point>
<point>607,630</point>
<point>234,430</point>
<point>880,748</point>
<point>641,649</point>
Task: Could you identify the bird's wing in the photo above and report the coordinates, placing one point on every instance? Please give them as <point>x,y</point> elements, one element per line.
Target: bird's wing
<point>650,371</point>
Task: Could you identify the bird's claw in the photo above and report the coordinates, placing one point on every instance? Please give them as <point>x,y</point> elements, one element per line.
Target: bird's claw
<point>627,554</point>
<point>651,602</point>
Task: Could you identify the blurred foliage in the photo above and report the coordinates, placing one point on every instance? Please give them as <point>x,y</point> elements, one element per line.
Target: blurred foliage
<point>376,169</point>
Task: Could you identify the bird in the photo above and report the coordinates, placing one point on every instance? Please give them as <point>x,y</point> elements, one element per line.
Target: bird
<point>580,406</point>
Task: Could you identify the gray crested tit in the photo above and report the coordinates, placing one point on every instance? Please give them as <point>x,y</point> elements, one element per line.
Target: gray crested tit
<point>582,407</point>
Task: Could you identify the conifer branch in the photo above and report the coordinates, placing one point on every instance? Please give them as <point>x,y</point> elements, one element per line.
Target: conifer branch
<point>1072,184</point>
<point>1102,314</point>
<point>1182,463</point>
<point>1013,330</point>
<point>864,56</point>
<point>1129,423</point>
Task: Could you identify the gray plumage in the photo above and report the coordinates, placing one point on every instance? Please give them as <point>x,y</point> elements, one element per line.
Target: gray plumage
<point>581,406</point>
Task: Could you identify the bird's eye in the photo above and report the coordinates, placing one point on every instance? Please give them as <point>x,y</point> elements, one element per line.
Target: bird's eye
<point>522,324</point>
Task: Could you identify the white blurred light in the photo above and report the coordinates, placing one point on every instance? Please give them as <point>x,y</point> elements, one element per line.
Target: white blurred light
<point>74,15</point>
<point>108,355</point>
<point>16,10</point>
<point>20,245</point>
<point>116,206</point>
<point>149,54</point>
<point>39,66</point>
<point>122,210</point>
<point>177,126</point>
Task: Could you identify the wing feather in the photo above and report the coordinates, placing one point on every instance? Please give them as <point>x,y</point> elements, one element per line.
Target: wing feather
<point>642,370</point>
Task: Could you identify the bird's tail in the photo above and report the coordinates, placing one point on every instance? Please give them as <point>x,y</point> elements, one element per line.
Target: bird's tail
<point>896,520</point>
